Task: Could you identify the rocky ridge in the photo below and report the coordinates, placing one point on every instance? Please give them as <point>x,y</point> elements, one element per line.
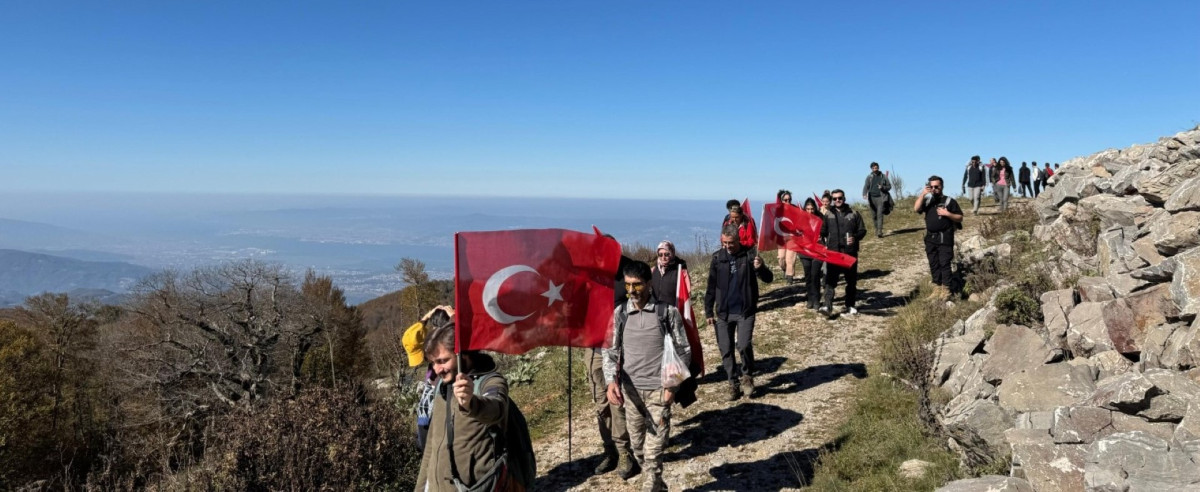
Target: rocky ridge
<point>1104,393</point>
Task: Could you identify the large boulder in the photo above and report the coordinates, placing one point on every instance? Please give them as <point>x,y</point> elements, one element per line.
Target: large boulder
<point>1138,461</point>
<point>1185,197</point>
<point>1144,247</point>
<point>1123,422</point>
<point>1171,346</point>
<point>1094,289</point>
<point>1117,211</point>
<point>1189,428</point>
<point>1163,271</point>
<point>1115,253</point>
<point>1157,188</point>
<point>1073,230</point>
<point>1079,424</point>
<point>985,418</point>
<point>990,483</point>
<point>1110,363</point>
<point>1086,331</point>
<point>1013,348</point>
<point>1176,391</point>
<point>1045,387</point>
<point>1046,465</point>
<point>1056,306</point>
<point>1185,284</point>
<point>1123,330</point>
<point>1127,393</point>
<point>951,352</point>
<point>1175,232</point>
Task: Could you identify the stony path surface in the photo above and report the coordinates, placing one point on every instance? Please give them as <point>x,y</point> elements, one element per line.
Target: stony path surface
<point>806,365</point>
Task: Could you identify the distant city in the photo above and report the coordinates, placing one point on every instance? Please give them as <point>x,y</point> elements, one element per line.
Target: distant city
<point>88,238</point>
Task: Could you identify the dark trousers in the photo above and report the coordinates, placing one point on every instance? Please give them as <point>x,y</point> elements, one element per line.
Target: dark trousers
<point>939,249</point>
<point>877,212</point>
<point>831,280</point>
<point>1037,188</point>
<point>812,281</point>
<point>1025,187</point>
<point>741,327</point>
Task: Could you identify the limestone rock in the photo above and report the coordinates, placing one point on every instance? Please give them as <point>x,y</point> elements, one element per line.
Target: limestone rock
<point>1086,332</point>
<point>1157,188</point>
<point>1189,428</point>
<point>984,319</point>
<point>1117,211</point>
<point>1079,424</point>
<point>1123,330</point>
<point>1040,420</point>
<point>990,483</point>
<point>1095,289</point>
<point>1110,363</point>
<point>1044,464</point>
<point>985,418</point>
<point>1185,285</point>
<point>1056,305</point>
<point>1176,393</point>
<point>951,352</point>
<point>1132,423</point>
<point>1138,461</point>
<point>1115,253</point>
<point>1046,387</point>
<point>1170,346</point>
<point>1163,271</point>
<point>1128,393</point>
<point>966,380</point>
<point>914,469</point>
<point>1175,233</point>
<point>1185,197</point>
<point>1012,348</point>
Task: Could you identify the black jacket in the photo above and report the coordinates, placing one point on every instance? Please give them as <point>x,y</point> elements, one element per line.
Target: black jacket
<point>719,279</point>
<point>839,222</point>
<point>664,285</point>
<point>974,177</point>
<point>1024,175</point>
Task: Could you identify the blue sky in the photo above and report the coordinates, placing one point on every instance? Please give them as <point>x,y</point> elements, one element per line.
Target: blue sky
<point>696,99</point>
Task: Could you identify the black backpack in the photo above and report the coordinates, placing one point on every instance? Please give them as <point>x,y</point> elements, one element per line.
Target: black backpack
<point>514,448</point>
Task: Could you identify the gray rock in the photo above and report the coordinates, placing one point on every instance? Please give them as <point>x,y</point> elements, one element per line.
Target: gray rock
<point>1115,253</point>
<point>1176,393</point>
<point>1044,464</point>
<point>1127,393</point>
<point>1086,331</point>
<point>1056,306</point>
<point>983,319</point>
<point>1185,285</point>
<point>1012,348</point>
<point>1079,424</point>
<point>1095,289</point>
<point>1123,329</point>
<point>1189,428</point>
<point>985,418</point>
<point>1185,197</point>
<point>1045,387</point>
<point>1072,230</point>
<point>1170,346</point>
<point>1157,188</point>
<point>1117,211</point>
<point>1144,246</point>
<point>1123,284</point>
<point>1139,461</point>
<point>1164,271</point>
<point>990,483</point>
<point>1122,181</point>
<point>951,352</point>
<point>966,379</point>
<point>1110,363</point>
<point>1176,232</point>
<point>1133,423</point>
<point>1042,420</point>
<point>914,469</point>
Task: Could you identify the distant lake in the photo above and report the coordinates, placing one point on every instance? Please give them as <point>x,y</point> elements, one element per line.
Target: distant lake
<point>355,239</point>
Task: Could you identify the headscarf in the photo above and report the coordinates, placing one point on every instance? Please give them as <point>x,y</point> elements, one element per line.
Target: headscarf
<point>663,262</point>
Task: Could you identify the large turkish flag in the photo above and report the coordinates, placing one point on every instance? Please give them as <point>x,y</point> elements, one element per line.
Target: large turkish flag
<point>793,228</point>
<point>521,289</point>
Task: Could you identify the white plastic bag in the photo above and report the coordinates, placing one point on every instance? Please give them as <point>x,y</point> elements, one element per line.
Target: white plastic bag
<point>674,369</point>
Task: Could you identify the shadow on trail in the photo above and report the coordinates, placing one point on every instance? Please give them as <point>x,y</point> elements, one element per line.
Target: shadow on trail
<point>880,303</point>
<point>810,377</point>
<point>761,366</point>
<point>742,423</point>
<point>873,273</point>
<point>788,469</point>
<point>908,230</point>
<point>569,474</point>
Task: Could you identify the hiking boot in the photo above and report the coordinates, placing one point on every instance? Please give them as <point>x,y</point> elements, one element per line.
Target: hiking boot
<point>735,392</point>
<point>610,461</point>
<point>628,467</point>
<point>653,482</point>
<point>748,385</point>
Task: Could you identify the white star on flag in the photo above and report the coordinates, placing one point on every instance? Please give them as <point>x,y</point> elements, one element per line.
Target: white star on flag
<point>554,293</point>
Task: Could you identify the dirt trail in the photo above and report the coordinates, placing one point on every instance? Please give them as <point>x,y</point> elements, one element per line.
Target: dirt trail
<point>805,368</point>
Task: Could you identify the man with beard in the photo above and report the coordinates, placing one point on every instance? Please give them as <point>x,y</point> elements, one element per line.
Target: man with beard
<point>942,217</point>
<point>841,231</point>
<point>730,303</point>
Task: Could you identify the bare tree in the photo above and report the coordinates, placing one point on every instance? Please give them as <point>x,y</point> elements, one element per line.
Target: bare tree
<point>421,294</point>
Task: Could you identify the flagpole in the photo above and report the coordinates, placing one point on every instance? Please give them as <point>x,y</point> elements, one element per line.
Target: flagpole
<point>570,364</point>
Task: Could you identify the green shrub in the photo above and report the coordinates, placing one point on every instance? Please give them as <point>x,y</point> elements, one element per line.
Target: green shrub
<point>1014,306</point>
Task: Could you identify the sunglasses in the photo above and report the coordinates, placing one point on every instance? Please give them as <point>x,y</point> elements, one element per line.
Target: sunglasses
<point>664,255</point>
<point>838,198</point>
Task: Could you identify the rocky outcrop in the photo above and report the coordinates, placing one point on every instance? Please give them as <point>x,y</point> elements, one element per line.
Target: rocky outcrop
<point>1104,393</point>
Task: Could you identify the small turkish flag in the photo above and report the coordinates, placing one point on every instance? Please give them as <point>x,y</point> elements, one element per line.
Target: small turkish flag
<point>786,225</point>
<point>521,289</point>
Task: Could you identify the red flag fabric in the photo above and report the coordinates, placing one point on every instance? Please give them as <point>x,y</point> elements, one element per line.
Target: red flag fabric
<point>521,289</point>
<point>749,214</point>
<point>795,229</point>
<point>683,303</point>
<point>818,251</point>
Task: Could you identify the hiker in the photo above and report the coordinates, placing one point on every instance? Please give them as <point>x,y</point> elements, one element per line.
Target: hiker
<point>633,370</point>
<point>942,217</point>
<point>842,231</point>
<point>666,273</point>
<point>974,178</point>
<point>1036,175</point>
<point>877,193</point>
<point>610,419</point>
<point>1023,177</point>
<point>1002,177</point>
<point>413,341</point>
<point>812,267</point>
<point>730,303</point>
<point>1047,174</point>
<point>459,445</point>
<point>736,217</point>
<point>787,257</point>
